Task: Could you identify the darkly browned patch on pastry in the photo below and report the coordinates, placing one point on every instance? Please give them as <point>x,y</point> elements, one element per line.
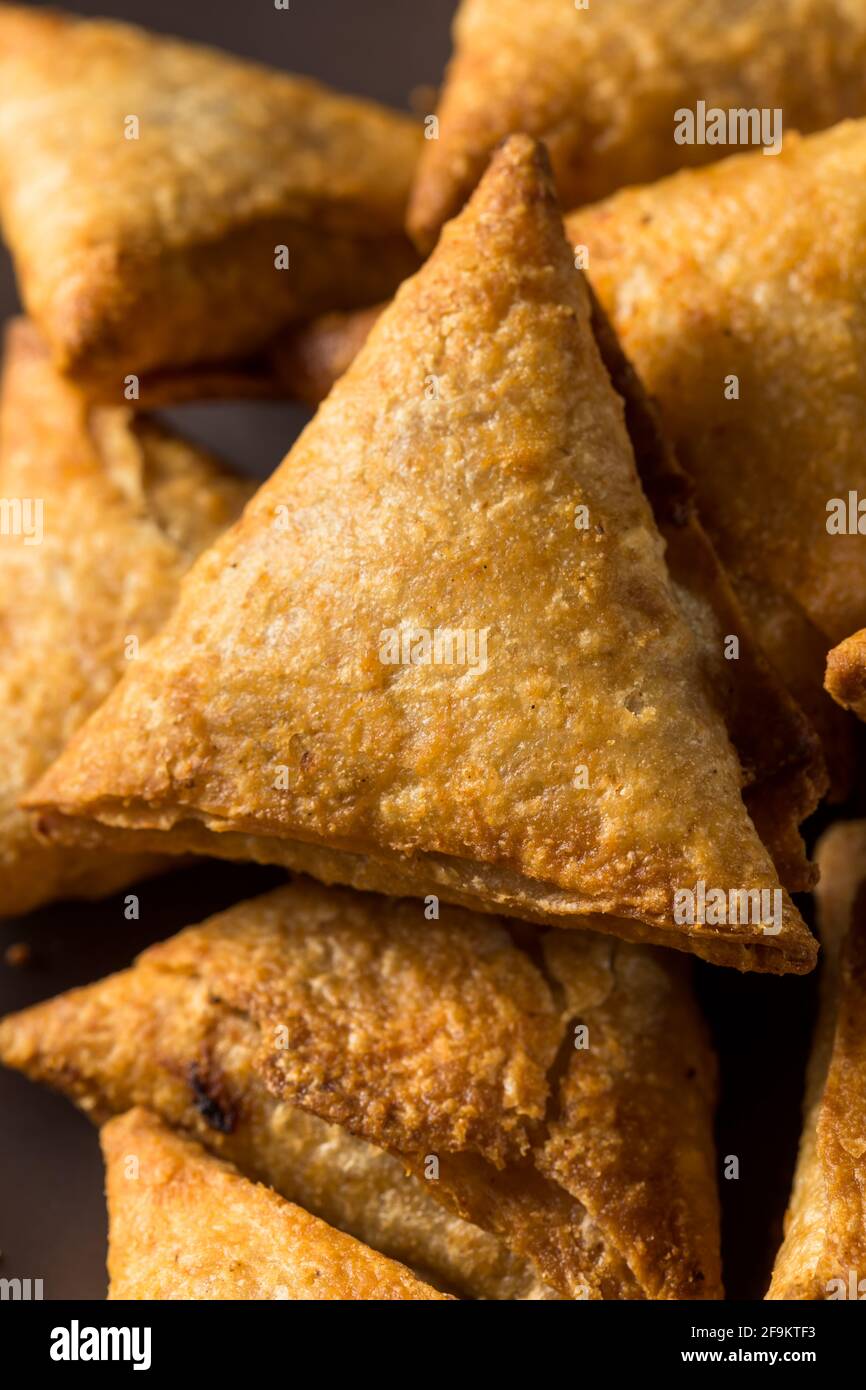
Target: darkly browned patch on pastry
<point>358,1040</point>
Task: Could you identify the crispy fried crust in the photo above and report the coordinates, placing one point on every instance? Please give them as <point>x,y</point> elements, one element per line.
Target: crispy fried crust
<point>846,674</point>
<point>326,1041</point>
<point>159,251</point>
<point>717,274</point>
<point>125,509</point>
<point>264,722</point>
<point>601,85</point>
<point>646,1113</point>
<point>186,1225</point>
<point>825,1227</point>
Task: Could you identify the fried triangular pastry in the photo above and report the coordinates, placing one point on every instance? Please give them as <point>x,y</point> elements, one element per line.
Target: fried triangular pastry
<point>101,515</point>
<point>168,205</point>
<point>602,84</point>
<point>442,652</point>
<point>846,673</point>
<point>549,1094</point>
<point>185,1225</point>
<point>750,332</point>
<point>823,1256</point>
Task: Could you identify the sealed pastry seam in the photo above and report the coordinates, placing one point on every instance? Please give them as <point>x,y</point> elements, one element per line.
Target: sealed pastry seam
<point>470,884</point>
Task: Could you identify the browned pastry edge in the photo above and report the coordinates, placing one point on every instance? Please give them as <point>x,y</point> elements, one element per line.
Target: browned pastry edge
<point>301,364</point>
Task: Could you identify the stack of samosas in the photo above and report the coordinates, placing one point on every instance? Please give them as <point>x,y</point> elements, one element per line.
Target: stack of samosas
<point>515,664</point>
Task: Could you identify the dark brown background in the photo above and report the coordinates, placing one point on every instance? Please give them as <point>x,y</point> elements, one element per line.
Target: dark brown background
<point>52,1214</point>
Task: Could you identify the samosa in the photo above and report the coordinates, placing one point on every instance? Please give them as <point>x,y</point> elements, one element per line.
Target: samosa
<point>442,652</point>
<point>519,1115</point>
<point>609,86</point>
<point>170,207</point>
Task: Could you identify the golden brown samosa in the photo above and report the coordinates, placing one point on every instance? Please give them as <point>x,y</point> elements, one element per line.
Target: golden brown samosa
<point>168,206</point>
<point>823,1256</point>
<point>185,1225</point>
<point>442,651</point>
<point>519,1115</point>
<point>602,84</point>
<point>102,514</point>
